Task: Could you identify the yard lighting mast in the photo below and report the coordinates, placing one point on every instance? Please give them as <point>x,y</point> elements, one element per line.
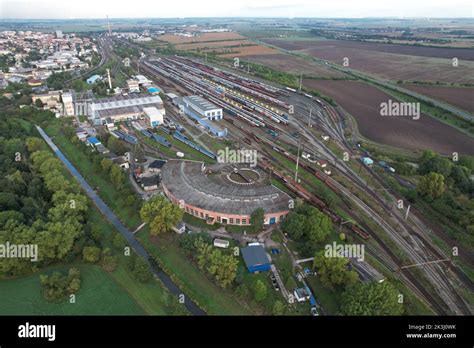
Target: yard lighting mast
<point>108,23</point>
<point>297,162</point>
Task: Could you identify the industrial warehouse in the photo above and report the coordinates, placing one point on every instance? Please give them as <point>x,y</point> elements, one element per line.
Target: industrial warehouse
<point>203,112</point>
<point>127,107</point>
<point>223,193</point>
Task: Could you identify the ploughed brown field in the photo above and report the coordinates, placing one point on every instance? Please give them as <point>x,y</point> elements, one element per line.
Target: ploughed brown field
<point>409,50</point>
<point>291,64</point>
<point>201,37</point>
<point>462,97</point>
<point>249,51</point>
<point>392,63</point>
<point>212,44</point>
<point>363,102</point>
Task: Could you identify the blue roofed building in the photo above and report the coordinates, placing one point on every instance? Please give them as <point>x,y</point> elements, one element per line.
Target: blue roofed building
<point>93,141</point>
<point>367,161</point>
<point>256,258</point>
<point>153,90</point>
<point>93,79</point>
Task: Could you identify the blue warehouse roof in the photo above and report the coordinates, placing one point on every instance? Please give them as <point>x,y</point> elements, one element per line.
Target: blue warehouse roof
<point>255,255</point>
<point>93,141</point>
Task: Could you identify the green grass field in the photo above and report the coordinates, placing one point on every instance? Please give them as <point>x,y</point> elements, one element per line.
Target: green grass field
<point>211,297</point>
<point>152,297</point>
<point>99,295</point>
<point>327,298</point>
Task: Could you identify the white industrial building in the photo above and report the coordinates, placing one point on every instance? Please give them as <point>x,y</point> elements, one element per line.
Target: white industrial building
<point>143,80</point>
<point>133,86</point>
<point>67,103</point>
<point>203,112</point>
<point>122,108</point>
<point>203,107</point>
<point>153,116</point>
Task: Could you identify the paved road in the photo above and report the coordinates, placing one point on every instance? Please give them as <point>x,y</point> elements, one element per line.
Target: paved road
<point>109,214</point>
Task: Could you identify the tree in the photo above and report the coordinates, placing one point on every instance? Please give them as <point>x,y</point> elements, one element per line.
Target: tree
<point>294,225</point>
<point>278,308</point>
<point>466,161</point>
<point>141,270</point>
<point>74,279</point>
<point>432,162</point>
<point>118,241</point>
<point>371,299</point>
<point>431,185</point>
<point>308,224</point>
<point>116,146</point>
<point>56,286</point>
<point>79,85</point>
<point>257,219</point>
<point>91,254</point>
<point>53,286</point>
<point>260,291</point>
<point>318,226</point>
<point>333,271</point>
<point>160,214</point>
<point>461,177</point>
<point>116,175</point>
<point>34,144</point>
<point>38,103</point>
<point>139,154</point>
<point>222,267</point>
<point>106,164</point>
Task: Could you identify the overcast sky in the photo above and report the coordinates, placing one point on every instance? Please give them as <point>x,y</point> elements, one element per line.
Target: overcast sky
<point>69,9</point>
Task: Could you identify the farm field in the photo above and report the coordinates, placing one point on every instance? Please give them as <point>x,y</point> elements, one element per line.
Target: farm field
<point>457,96</point>
<point>202,37</point>
<point>363,101</point>
<point>250,50</point>
<point>410,50</point>
<point>212,44</point>
<point>227,45</point>
<point>294,65</point>
<point>392,66</point>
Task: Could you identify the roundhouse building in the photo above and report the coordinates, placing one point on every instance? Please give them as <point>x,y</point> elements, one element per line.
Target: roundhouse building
<point>225,194</point>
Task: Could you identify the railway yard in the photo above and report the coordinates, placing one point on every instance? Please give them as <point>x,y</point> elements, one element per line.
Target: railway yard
<point>282,123</point>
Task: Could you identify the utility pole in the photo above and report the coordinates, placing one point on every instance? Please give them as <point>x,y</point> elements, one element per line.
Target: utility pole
<point>301,80</point>
<point>248,67</point>
<point>309,119</point>
<point>297,163</point>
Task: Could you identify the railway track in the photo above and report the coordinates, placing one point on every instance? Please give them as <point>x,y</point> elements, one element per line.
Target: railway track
<point>330,122</point>
<point>439,277</point>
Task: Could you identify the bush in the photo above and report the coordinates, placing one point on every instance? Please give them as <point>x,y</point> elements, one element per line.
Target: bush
<point>142,271</point>
<point>91,254</point>
<point>56,286</point>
